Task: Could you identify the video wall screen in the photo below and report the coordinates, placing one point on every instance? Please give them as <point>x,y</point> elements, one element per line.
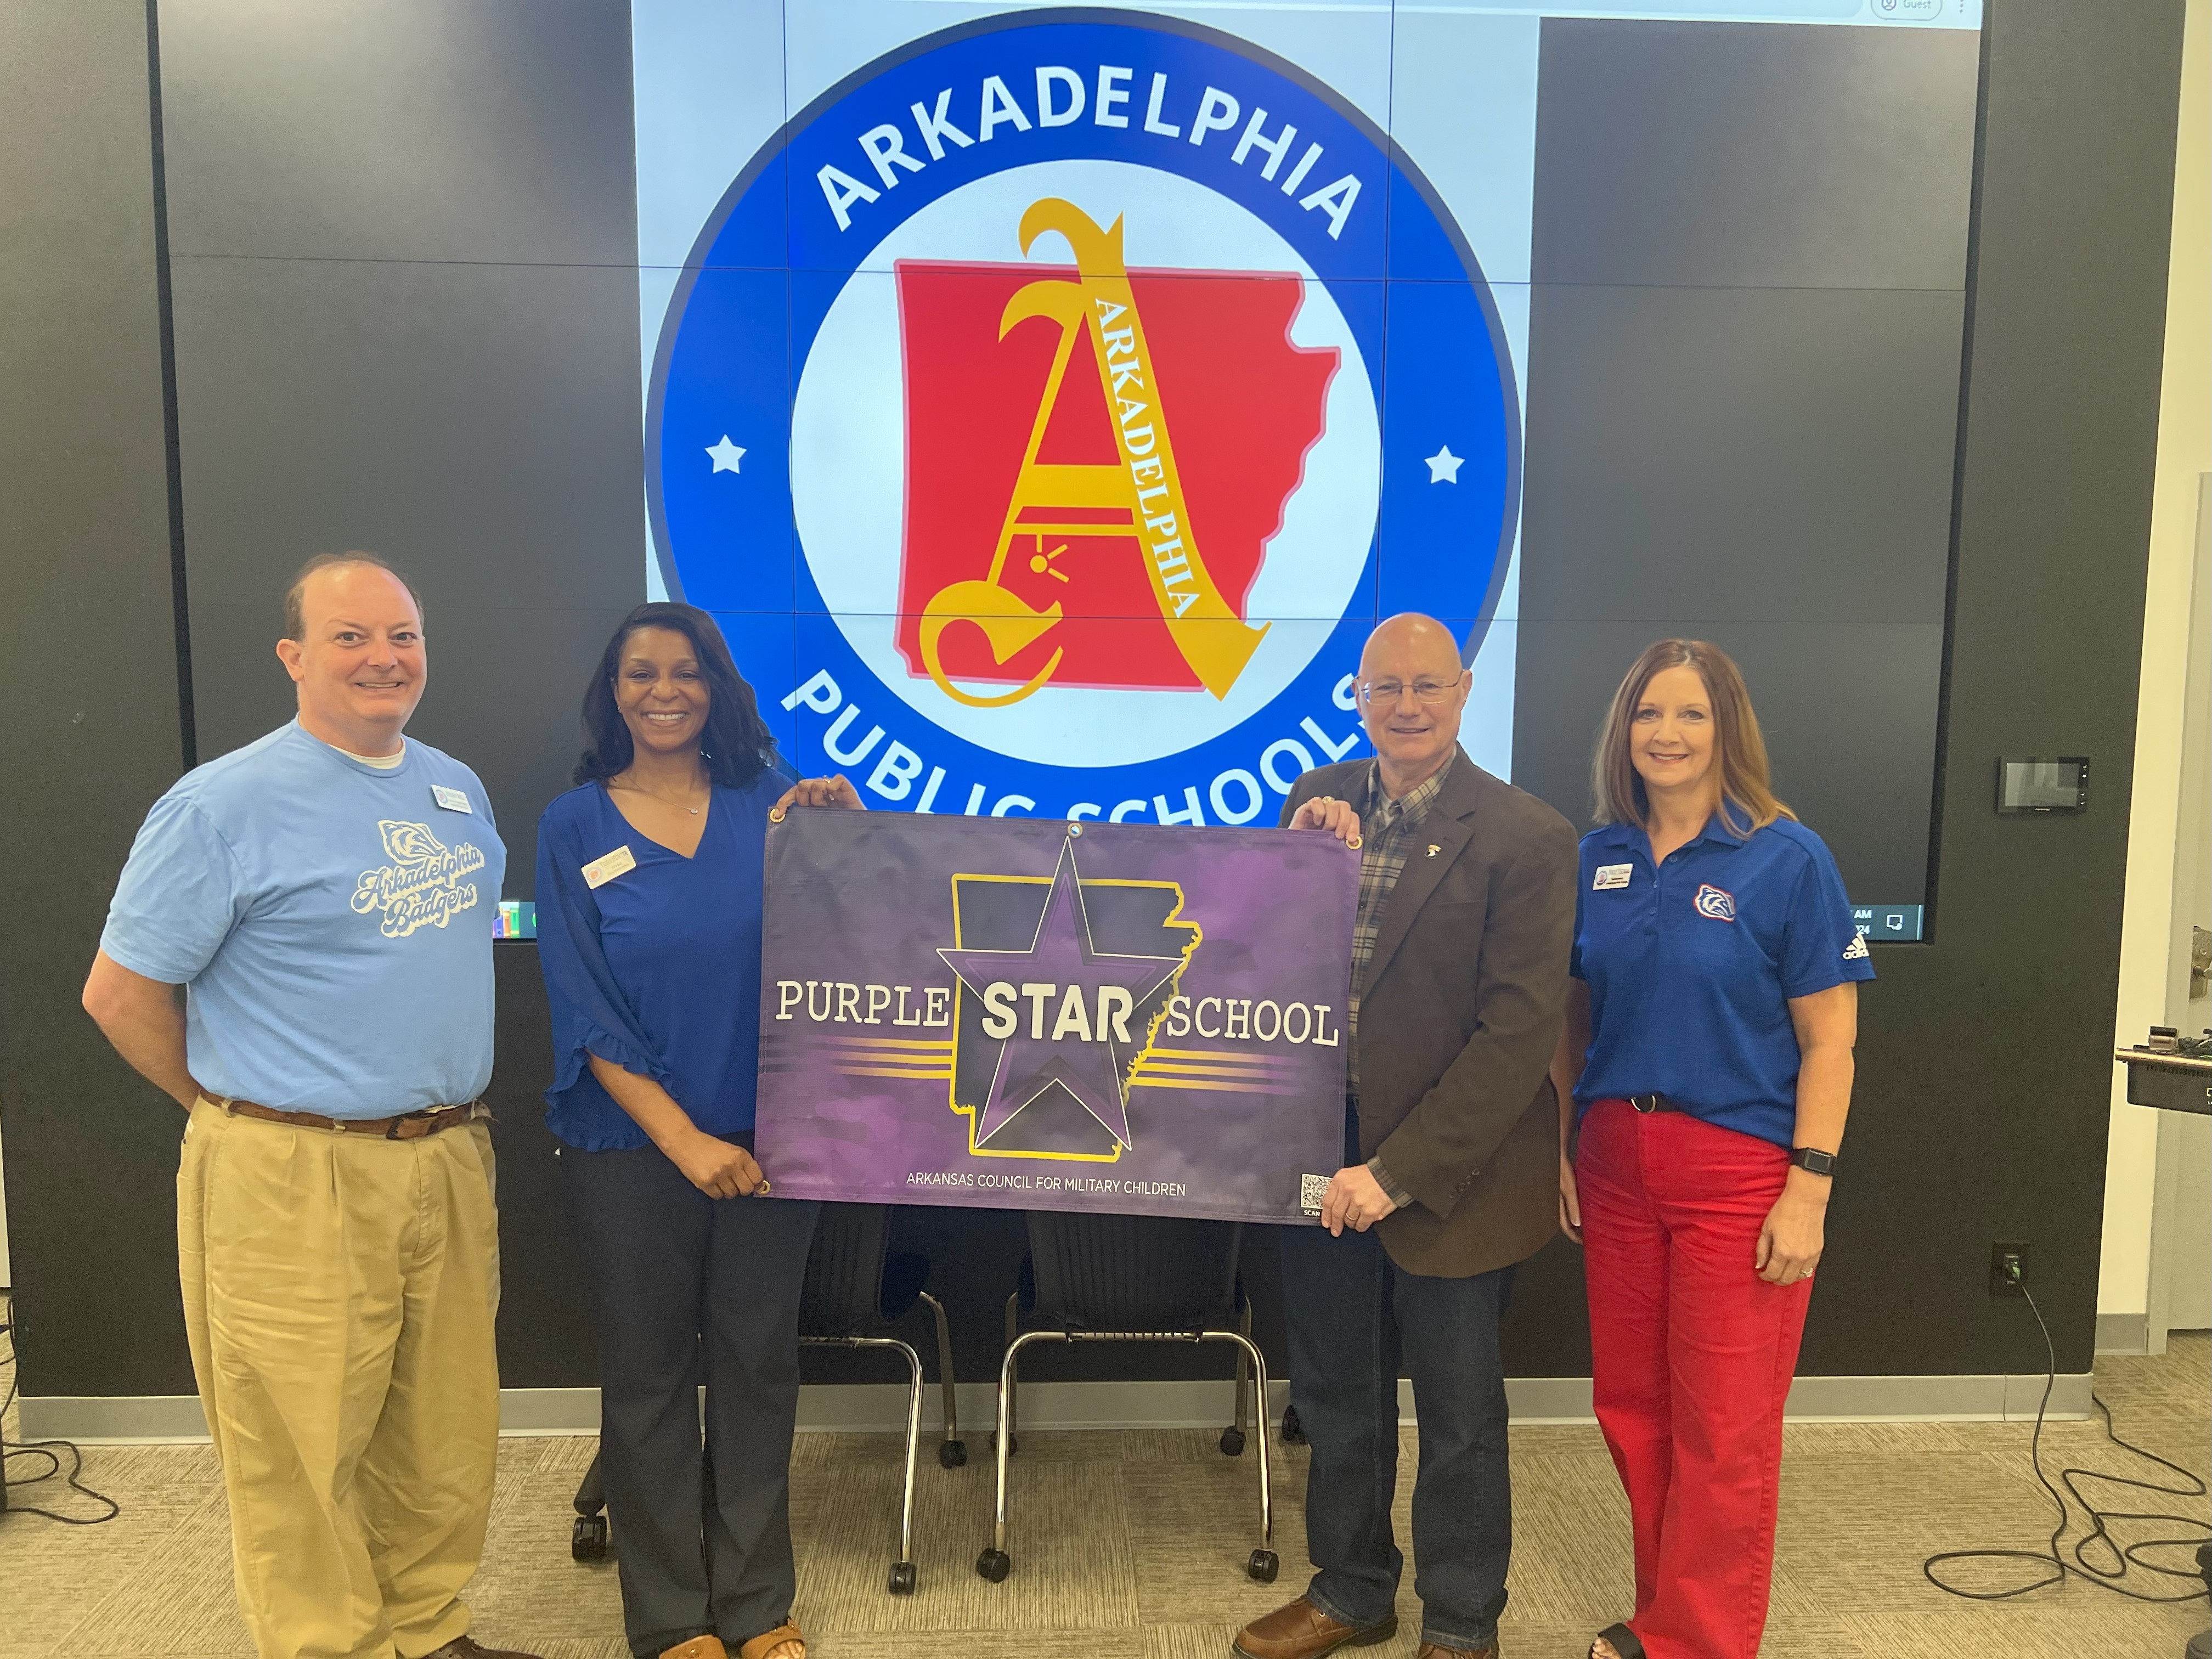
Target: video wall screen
<point>1048,401</point>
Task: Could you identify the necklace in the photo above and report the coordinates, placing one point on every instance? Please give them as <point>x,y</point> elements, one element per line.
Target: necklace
<point>640,789</point>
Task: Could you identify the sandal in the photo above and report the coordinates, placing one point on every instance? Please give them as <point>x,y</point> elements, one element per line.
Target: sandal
<point>1623,1639</point>
<point>769,1640</point>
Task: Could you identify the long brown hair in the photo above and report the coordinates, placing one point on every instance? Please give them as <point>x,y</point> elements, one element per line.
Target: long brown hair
<point>1739,751</point>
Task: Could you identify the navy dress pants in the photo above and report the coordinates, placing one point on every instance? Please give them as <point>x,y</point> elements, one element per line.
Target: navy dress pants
<point>1353,1317</point>
<point>688,1288</point>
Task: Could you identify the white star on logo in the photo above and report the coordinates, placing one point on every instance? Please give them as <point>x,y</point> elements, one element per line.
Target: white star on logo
<point>1443,466</point>
<point>727,455</point>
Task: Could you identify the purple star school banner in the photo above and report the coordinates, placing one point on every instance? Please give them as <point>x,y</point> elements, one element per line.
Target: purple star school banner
<point>1013,1013</point>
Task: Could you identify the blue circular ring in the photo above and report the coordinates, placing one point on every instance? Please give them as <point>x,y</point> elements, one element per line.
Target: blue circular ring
<point>765,270</point>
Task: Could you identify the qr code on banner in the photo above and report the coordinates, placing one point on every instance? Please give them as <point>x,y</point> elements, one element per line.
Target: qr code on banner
<point>1310,1188</point>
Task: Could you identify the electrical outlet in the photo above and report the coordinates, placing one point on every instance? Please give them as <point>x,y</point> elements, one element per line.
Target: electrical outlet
<point>2007,1267</point>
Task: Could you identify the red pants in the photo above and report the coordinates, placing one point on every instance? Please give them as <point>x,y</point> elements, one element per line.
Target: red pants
<point>1692,1354</point>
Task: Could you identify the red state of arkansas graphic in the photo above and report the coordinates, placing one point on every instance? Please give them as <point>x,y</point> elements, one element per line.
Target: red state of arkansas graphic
<point>1243,405</point>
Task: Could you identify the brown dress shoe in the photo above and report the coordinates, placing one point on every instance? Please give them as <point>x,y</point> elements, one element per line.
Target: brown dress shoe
<point>464,1647</point>
<point>1302,1631</point>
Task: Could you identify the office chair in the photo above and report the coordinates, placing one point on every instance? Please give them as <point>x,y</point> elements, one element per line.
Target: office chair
<point>1134,1278</point>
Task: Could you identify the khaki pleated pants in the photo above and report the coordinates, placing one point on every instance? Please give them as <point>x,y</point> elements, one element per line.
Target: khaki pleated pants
<point>339,1293</point>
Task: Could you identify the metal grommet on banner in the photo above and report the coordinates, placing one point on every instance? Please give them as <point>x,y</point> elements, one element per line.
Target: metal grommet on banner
<point>1354,843</point>
<point>1074,828</point>
<point>775,815</point>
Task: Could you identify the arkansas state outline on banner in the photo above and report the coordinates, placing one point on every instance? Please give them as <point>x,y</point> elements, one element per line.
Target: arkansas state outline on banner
<point>1018,1014</point>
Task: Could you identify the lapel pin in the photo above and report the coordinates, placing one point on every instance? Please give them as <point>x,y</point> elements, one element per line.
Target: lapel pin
<point>1434,849</point>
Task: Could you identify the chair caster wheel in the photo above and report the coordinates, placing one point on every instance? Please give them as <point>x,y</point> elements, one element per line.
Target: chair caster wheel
<point>1262,1566</point>
<point>904,1578</point>
<point>952,1453</point>
<point>1294,1433</point>
<point>1013,1443</point>
<point>994,1565</point>
<point>1232,1443</point>
<point>587,1542</point>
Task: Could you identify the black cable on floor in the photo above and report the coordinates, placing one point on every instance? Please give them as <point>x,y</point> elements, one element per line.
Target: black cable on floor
<point>2100,1535</point>
<point>52,1450</point>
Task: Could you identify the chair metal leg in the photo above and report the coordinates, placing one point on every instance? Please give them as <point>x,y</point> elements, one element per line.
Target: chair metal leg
<point>995,1563</point>
<point>1009,1416</point>
<point>903,1576</point>
<point>1264,1563</point>
<point>1232,1440</point>
<point>951,1450</point>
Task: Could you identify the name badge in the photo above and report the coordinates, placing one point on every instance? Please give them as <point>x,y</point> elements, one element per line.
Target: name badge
<point>601,871</point>
<point>453,801</point>
<point>1612,875</point>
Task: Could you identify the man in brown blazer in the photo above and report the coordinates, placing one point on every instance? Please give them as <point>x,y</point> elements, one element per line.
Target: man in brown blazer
<point>1451,1160</point>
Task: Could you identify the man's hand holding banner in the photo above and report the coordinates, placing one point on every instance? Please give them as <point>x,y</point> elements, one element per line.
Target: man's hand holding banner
<point>1010,1014</point>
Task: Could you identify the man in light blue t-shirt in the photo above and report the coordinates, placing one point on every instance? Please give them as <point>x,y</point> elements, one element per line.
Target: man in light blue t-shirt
<point>325,897</point>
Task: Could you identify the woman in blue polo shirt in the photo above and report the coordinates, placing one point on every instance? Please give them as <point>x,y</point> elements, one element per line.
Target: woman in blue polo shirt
<point>649,933</point>
<point>1704,1075</point>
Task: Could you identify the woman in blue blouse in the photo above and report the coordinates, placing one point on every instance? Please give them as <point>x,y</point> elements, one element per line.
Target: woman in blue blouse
<point>1704,1078</point>
<point>649,933</point>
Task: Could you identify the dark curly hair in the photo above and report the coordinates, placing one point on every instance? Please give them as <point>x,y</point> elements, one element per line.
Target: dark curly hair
<point>738,746</point>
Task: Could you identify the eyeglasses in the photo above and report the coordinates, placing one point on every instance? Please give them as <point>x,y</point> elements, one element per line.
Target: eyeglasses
<point>1386,693</point>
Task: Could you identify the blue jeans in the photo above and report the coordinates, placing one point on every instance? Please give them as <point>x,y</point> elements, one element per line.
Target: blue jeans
<point>1352,1316</point>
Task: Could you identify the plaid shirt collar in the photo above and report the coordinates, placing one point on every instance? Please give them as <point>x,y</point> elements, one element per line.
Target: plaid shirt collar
<point>1378,812</point>
<point>1385,827</point>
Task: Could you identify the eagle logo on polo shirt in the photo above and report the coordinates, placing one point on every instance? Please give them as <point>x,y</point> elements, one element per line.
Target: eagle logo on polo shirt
<point>1717,902</point>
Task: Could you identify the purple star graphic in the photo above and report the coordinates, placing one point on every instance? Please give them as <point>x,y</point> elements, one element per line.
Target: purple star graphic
<point>1090,1058</point>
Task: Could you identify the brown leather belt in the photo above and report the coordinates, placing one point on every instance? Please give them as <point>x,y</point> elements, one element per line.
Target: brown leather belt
<point>407,1125</point>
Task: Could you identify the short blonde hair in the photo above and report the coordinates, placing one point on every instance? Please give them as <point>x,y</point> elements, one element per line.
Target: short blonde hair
<point>1738,749</point>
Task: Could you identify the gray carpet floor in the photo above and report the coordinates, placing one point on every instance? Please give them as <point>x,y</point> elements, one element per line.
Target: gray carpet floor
<point>1131,1545</point>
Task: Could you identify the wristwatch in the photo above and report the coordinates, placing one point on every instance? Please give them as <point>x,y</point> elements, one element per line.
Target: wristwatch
<point>1813,1161</point>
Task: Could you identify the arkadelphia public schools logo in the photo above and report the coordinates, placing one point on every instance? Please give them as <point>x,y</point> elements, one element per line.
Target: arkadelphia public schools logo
<point>1048,411</point>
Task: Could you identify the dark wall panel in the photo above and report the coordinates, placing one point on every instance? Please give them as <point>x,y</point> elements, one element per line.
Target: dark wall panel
<point>494,131</point>
<point>405,242</point>
<point>474,424</point>
<point>1770,468</point>
<point>1776,453</point>
<point>1743,398</point>
<point>1985,1071</point>
<point>88,647</point>
<point>1717,155</point>
<point>1984,1075</point>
